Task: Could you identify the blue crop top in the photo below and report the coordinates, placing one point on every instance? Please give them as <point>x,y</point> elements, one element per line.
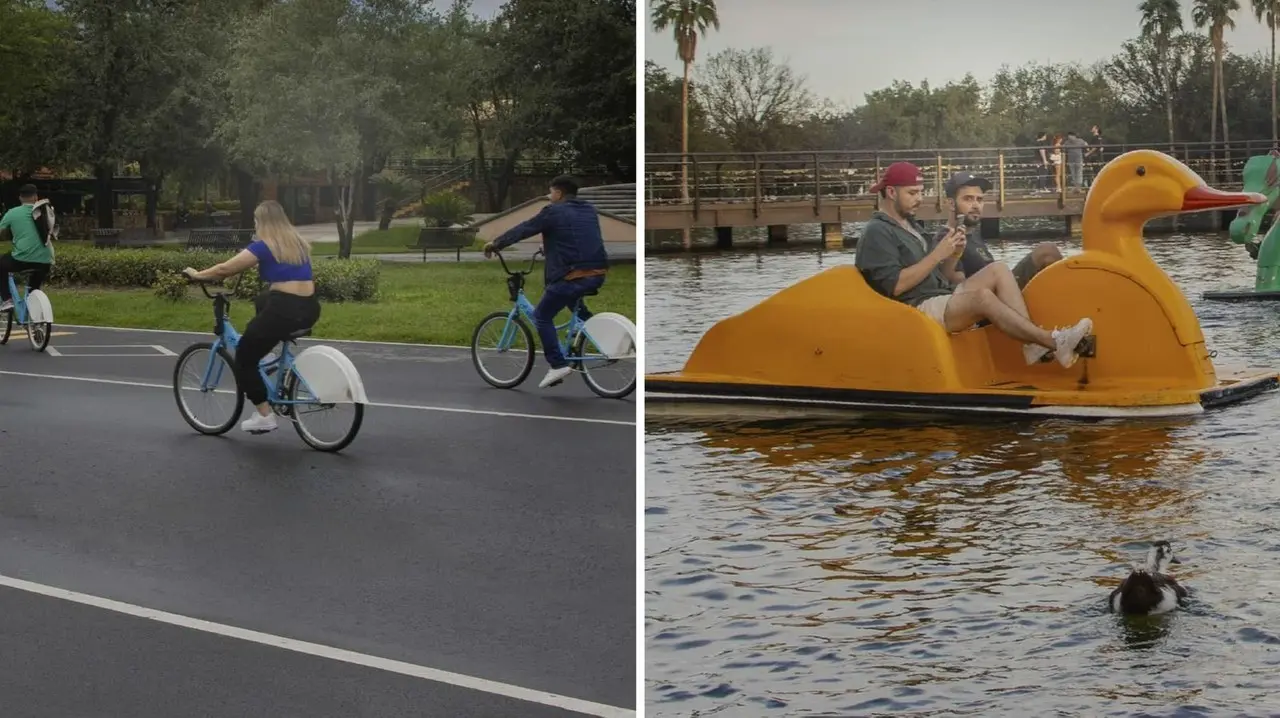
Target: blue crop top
<point>272,271</point>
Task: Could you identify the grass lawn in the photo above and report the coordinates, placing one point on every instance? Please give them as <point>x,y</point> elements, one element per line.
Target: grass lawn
<point>430,303</point>
<point>396,240</point>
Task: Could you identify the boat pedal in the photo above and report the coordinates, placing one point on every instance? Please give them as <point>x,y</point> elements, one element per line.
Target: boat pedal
<point>1088,347</point>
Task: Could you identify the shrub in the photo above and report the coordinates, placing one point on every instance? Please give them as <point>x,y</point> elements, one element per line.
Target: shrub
<point>336,280</point>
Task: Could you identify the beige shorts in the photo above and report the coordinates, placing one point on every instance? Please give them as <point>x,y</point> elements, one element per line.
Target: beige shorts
<point>936,308</point>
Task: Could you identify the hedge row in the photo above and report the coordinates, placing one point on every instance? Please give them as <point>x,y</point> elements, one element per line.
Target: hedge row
<point>336,280</point>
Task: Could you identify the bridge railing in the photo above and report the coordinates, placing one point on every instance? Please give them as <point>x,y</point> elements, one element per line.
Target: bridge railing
<point>1015,172</point>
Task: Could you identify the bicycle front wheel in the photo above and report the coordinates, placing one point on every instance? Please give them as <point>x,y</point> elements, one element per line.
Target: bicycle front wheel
<point>502,350</point>
<point>325,427</point>
<point>205,386</point>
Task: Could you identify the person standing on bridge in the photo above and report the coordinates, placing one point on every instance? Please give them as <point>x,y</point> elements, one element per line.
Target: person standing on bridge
<point>966,193</point>
<point>899,263</point>
<point>1075,147</point>
<point>576,264</point>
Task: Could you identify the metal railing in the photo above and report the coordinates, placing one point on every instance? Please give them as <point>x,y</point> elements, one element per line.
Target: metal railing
<point>1015,172</point>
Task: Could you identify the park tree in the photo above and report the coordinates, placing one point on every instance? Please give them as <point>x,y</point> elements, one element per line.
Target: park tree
<point>38,42</point>
<point>1161,22</point>
<point>331,87</point>
<point>750,98</point>
<point>1215,17</point>
<point>1268,13</point>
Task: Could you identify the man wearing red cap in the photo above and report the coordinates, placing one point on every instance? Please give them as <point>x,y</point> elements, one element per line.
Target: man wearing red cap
<point>897,261</point>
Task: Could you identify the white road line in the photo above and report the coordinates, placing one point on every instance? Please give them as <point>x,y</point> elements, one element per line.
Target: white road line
<point>303,340</point>
<point>160,351</point>
<point>315,649</point>
<point>414,407</point>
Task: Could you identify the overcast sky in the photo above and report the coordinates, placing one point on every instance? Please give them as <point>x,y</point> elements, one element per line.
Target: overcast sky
<point>847,48</point>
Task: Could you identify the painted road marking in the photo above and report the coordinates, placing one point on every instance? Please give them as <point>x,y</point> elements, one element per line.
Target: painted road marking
<point>158,350</point>
<point>460,680</point>
<point>414,407</point>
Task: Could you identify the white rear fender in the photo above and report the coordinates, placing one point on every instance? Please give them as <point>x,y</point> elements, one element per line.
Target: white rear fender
<point>39,309</point>
<point>613,334</point>
<point>330,375</point>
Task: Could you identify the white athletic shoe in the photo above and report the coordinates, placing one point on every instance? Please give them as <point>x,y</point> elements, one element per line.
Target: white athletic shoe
<point>259,424</point>
<point>6,305</point>
<point>1067,339</point>
<point>555,376</point>
<point>1034,353</point>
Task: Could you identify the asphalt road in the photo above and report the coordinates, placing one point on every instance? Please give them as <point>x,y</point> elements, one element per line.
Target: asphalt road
<point>483,532</point>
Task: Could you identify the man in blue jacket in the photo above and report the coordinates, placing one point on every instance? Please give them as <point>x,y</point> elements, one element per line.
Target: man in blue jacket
<point>576,263</point>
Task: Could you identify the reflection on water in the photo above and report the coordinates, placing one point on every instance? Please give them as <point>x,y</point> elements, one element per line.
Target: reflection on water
<point>922,565</point>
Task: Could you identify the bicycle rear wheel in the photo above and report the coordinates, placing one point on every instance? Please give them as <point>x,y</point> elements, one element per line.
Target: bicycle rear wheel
<point>506,363</point>
<point>309,417</point>
<point>38,334</point>
<point>8,327</point>
<point>189,378</point>
<point>613,375</point>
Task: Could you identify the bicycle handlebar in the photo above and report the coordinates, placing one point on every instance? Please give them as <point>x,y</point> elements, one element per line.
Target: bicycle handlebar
<point>204,284</point>
<point>532,260</point>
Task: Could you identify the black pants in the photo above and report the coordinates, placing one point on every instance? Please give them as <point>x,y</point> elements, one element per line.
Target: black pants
<point>279,315</point>
<point>9,265</point>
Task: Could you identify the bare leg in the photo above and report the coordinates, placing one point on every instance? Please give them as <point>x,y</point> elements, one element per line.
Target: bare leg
<point>966,308</point>
<point>998,279</point>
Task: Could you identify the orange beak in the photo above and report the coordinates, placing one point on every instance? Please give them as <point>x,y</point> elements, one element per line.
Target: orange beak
<point>1204,197</point>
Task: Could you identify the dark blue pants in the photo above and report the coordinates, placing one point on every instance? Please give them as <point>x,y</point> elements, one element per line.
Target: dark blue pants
<point>556,297</point>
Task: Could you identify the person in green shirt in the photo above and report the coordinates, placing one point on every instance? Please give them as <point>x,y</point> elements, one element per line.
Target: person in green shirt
<point>29,250</point>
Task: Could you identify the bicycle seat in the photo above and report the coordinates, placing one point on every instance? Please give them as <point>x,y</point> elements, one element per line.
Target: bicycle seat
<point>293,336</point>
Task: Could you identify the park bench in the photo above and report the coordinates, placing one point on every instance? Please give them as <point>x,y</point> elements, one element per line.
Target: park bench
<point>444,238</point>
<point>219,238</point>
<point>126,237</point>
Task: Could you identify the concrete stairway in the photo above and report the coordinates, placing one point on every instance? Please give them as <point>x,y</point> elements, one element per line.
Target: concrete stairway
<point>619,199</point>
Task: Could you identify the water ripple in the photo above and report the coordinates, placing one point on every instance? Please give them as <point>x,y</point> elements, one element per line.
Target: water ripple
<point>882,566</point>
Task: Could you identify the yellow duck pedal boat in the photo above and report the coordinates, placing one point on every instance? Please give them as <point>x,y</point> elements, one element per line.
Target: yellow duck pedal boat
<point>832,342</point>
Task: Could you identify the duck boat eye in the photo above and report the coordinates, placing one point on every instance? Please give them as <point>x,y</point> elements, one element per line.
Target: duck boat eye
<point>1141,170</point>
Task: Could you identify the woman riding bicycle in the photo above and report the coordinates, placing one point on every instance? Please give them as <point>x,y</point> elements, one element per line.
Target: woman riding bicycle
<point>288,305</point>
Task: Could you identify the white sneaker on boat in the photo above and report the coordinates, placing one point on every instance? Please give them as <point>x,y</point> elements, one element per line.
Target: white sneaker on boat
<point>1067,339</point>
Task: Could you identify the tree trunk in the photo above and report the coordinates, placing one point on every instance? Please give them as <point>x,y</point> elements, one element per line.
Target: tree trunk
<point>1167,81</point>
<point>345,214</point>
<point>1213,121</point>
<point>684,151</point>
<point>104,195</point>
<point>247,191</point>
<point>1274,136</point>
<point>1222,105</point>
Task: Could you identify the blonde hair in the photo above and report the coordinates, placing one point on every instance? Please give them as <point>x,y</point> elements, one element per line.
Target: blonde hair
<point>274,228</point>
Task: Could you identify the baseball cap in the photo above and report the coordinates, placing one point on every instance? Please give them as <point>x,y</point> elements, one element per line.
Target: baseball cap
<point>899,174</point>
<point>965,179</point>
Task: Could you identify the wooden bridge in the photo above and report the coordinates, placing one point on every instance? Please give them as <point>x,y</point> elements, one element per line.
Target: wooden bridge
<point>776,189</point>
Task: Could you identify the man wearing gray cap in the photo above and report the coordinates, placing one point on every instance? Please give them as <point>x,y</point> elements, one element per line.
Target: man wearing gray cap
<point>966,192</point>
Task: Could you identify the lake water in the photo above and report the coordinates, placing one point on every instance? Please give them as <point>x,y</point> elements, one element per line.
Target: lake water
<point>936,566</point>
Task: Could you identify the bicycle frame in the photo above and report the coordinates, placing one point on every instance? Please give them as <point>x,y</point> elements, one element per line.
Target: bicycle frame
<point>228,337</point>
<point>19,301</point>
<point>522,306</point>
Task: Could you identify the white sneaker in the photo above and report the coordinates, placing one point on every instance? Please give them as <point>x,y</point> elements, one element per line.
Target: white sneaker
<point>259,424</point>
<point>6,305</point>
<point>1034,353</point>
<point>555,376</point>
<point>1067,339</point>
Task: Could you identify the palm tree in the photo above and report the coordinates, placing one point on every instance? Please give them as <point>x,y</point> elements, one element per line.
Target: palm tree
<point>1160,20</point>
<point>687,18</point>
<point>1268,13</point>
<point>1216,16</point>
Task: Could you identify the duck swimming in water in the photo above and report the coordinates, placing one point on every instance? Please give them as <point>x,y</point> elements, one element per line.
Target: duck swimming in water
<point>1148,591</point>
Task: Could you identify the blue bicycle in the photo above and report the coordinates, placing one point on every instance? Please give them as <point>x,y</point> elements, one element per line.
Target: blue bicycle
<point>317,379</point>
<point>502,346</point>
<point>31,310</point>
